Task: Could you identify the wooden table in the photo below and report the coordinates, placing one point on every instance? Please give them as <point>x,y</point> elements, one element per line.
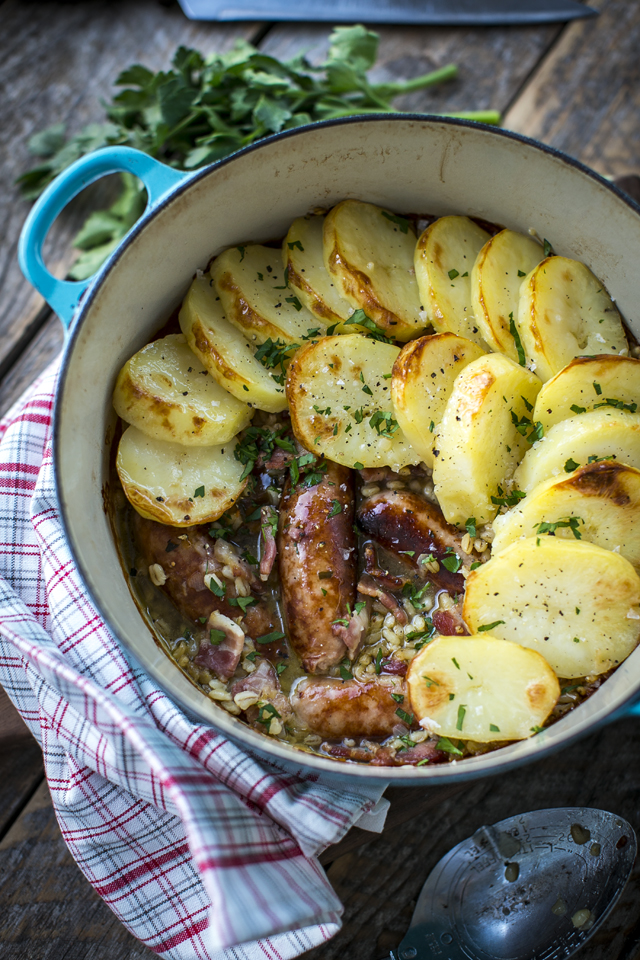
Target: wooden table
<point>576,87</point>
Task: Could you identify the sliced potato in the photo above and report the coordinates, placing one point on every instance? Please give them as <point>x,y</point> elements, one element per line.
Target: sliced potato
<point>250,282</point>
<point>302,253</point>
<point>565,312</point>
<point>370,253</point>
<point>589,382</point>
<point>604,499</point>
<point>588,437</point>
<point>477,445</point>
<point>161,390</point>
<point>496,279</point>
<point>423,377</point>
<point>175,484</point>
<point>481,688</point>
<point>575,603</point>
<point>444,258</point>
<point>341,404</point>
<point>225,351</point>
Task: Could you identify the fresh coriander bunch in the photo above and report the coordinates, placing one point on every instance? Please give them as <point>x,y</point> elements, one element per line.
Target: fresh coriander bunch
<point>204,109</point>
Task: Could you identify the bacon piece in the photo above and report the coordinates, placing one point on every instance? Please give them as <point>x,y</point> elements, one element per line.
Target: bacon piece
<point>368,588</point>
<point>268,519</point>
<point>352,634</point>
<point>222,658</point>
<point>427,750</point>
<point>449,623</point>
<point>264,682</point>
<point>395,667</point>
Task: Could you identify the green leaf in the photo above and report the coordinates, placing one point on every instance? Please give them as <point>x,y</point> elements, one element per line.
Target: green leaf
<point>355,45</point>
<point>448,747</point>
<point>48,142</point>
<point>490,626</point>
<point>270,114</point>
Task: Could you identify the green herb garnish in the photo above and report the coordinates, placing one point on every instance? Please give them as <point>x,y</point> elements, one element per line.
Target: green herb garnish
<point>490,626</point>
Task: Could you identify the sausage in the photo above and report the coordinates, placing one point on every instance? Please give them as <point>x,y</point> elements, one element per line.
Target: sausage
<point>185,562</point>
<point>404,522</point>
<point>318,566</point>
<point>335,708</point>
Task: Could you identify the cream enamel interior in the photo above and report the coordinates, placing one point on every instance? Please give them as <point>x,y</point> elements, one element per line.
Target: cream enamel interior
<point>404,164</point>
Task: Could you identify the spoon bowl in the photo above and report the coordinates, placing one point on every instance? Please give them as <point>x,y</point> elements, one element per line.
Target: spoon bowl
<point>533,887</point>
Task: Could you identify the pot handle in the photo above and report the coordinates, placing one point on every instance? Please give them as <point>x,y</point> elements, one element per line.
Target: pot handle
<point>63,296</point>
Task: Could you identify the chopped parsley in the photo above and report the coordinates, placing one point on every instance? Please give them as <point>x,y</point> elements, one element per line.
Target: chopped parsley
<point>455,662</point>
<point>617,404</point>
<point>445,745</point>
<point>336,508</point>
<point>429,681</point>
<point>547,248</point>
<point>294,302</point>
<point>523,424</point>
<point>294,244</point>
<point>490,626</point>
<point>216,636</point>
<point>521,273</point>
<point>241,251</point>
<point>281,667</point>
<point>400,222</point>
<point>471,527</point>
<point>218,589</point>
<point>453,274</point>
<point>404,716</point>
<point>199,492</point>
<point>397,697</point>
<point>597,388</point>
<point>570,465</point>
<point>494,728</point>
<point>270,637</point>
<point>276,353</point>
<point>242,602</point>
<point>374,331</point>
<point>267,713</point>
<point>462,709</point>
<point>522,360</point>
<point>378,662</point>
<point>345,673</point>
<point>451,561</point>
<point>384,423</point>
<point>571,523</point>
<point>508,500</point>
<point>576,409</point>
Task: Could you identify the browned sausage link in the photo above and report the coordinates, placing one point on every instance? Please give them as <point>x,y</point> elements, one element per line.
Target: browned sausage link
<point>337,709</point>
<point>185,562</point>
<point>318,565</point>
<point>404,522</point>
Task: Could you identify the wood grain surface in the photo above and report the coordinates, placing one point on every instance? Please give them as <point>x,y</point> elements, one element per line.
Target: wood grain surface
<point>576,87</point>
<point>584,97</point>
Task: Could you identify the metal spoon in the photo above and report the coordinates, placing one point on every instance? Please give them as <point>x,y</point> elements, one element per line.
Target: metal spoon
<point>533,887</point>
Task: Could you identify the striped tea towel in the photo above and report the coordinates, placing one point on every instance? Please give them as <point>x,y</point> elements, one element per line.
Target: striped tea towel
<point>202,850</point>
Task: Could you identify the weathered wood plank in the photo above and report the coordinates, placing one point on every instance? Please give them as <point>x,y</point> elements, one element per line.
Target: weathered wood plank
<point>585,95</point>
<point>20,763</point>
<point>45,346</point>
<point>379,882</point>
<point>57,60</point>
<point>493,61</point>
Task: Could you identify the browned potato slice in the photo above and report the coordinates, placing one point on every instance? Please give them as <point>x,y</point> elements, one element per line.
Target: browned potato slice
<point>370,253</point>
<point>340,400</point>
<point>602,498</point>
<point>481,688</point>
<point>595,435</point>
<point>478,445</point>
<point>496,279</point>
<point>423,378</point>
<point>302,253</point>
<point>225,351</point>
<point>575,603</point>
<point>565,312</point>
<point>587,383</point>
<point>162,391</point>
<point>252,287</point>
<point>175,484</point>
<point>444,258</point>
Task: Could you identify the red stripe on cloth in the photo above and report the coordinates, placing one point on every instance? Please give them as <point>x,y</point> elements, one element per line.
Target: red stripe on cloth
<point>149,865</point>
<point>187,933</point>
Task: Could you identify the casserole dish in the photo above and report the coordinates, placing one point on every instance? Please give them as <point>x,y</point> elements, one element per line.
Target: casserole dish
<point>405,163</point>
